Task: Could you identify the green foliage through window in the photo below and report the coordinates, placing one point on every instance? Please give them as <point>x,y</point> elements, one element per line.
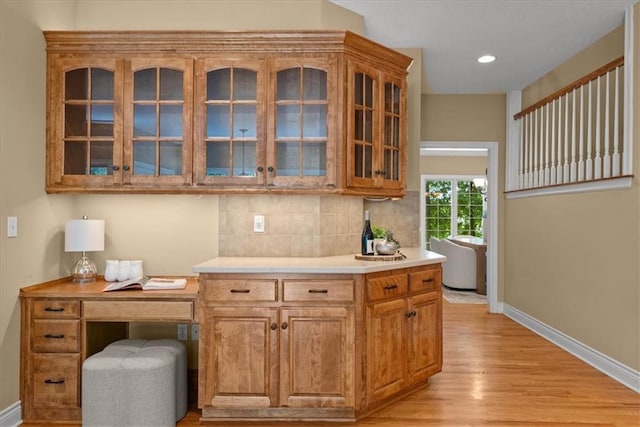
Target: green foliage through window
<point>453,207</point>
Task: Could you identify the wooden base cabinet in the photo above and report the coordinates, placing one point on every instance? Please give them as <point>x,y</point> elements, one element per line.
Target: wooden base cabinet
<point>315,346</point>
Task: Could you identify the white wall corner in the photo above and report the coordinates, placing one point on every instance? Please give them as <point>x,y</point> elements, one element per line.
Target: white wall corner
<point>514,106</point>
<point>621,373</point>
<point>11,416</point>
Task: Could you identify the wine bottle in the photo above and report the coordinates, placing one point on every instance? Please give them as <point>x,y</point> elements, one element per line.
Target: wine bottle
<point>367,236</point>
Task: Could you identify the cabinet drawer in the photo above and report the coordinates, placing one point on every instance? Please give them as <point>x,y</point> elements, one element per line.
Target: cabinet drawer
<point>387,287</point>
<point>55,336</point>
<point>55,380</point>
<point>318,290</point>
<point>239,290</point>
<point>138,310</point>
<point>424,281</point>
<point>56,308</point>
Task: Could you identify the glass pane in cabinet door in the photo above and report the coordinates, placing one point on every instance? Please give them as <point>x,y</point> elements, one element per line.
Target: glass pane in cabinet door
<point>244,156</point>
<point>288,121</point>
<point>245,85</point>
<point>171,158</point>
<point>396,166</point>
<point>144,158</point>
<point>315,84</point>
<point>75,157</point>
<point>359,94</point>
<point>314,159</point>
<point>368,126</point>
<point>75,120</point>
<point>359,161</point>
<point>368,91</point>
<point>144,120</point>
<point>395,135</point>
<point>244,121</point>
<point>396,99</point>
<point>289,84</point>
<point>101,84</point>
<point>388,130</point>
<point>102,120</point>
<point>314,121</point>
<point>218,158</point>
<point>388,97</point>
<point>368,161</point>
<point>170,84</point>
<point>170,121</point>
<point>218,121</point>
<point>145,85</point>
<point>359,125</point>
<point>101,158</point>
<point>388,164</point>
<point>219,85</point>
<point>76,83</point>
<point>288,158</point>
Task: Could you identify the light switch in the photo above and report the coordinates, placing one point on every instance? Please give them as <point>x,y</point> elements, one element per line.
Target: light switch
<point>258,223</point>
<point>12,226</point>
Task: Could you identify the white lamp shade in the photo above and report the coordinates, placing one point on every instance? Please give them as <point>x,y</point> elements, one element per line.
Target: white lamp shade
<point>84,235</point>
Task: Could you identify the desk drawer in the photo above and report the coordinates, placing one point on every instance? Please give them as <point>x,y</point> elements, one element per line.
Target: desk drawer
<point>426,280</point>
<point>138,310</point>
<point>239,290</point>
<point>56,308</point>
<point>55,380</point>
<point>55,336</point>
<point>318,290</point>
<point>386,287</point>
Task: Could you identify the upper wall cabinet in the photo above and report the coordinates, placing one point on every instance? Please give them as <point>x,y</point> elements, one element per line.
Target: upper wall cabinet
<point>225,112</point>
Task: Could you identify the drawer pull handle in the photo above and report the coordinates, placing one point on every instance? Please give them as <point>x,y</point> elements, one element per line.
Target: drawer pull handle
<point>427,280</point>
<point>284,325</point>
<point>390,287</point>
<point>53,309</point>
<point>274,326</point>
<point>318,291</point>
<point>240,291</point>
<point>56,336</point>
<point>54,381</point>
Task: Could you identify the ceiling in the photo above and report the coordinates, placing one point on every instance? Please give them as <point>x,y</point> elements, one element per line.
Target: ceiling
<point>528,37</point>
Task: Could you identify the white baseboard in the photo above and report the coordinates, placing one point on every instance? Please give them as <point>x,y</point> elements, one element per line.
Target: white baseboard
<point>605,364</point>
<point>11,416</point>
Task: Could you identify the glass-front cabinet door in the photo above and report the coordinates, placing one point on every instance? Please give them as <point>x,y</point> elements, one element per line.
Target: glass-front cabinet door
<point>301,125</point>
<point>376,129</point>
<point>85,132</point>
<point>229,146</point>
<point>157,122</point>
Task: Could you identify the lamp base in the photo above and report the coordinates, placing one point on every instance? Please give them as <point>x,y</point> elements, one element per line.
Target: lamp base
<point>84,271</point>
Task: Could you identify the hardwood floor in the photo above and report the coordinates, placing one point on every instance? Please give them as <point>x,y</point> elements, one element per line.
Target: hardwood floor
<point>497,373</point>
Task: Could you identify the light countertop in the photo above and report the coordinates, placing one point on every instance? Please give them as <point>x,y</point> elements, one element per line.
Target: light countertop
<point>329,264</point>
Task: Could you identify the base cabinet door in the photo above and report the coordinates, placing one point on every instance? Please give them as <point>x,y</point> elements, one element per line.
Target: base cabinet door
<point>241,357</point>
<point>316,357</point>
<point>425,336</point>
<point>386,349</point>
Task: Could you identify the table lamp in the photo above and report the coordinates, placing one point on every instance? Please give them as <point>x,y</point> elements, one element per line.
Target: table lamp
<point>84,235</point>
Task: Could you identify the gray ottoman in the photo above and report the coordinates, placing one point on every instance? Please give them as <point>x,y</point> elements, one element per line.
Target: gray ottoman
<point>135,383</point>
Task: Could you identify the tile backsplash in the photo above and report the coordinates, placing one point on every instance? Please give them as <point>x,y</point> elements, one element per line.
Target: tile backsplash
<point>307,225</point>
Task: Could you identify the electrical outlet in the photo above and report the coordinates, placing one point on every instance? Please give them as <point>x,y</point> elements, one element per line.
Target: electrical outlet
<point>182,332</point>
<point>195,332</point>
<point>258,223</point>
<point>12,226</point>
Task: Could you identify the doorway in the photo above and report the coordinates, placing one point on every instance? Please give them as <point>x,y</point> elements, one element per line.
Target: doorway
<point>472,148</point>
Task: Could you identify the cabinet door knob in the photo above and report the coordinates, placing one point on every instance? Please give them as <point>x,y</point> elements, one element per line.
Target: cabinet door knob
<point>259,168</point>
<point>270,168</point>
<point>125,167</point>
<point>284,325</point>
<point>274,326</point>
<point>115,167</point>
<point>407,314</point>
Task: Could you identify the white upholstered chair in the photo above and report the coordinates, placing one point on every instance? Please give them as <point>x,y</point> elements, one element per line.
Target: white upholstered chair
<point>459,271</point>
<point>434,245</point>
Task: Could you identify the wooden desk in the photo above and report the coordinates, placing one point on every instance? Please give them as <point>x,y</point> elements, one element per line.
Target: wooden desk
<point>478,245</point>
<point>63,323</point>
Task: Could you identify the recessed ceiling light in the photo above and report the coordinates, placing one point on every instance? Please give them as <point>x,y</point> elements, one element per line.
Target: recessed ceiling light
<point>485,59</point>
